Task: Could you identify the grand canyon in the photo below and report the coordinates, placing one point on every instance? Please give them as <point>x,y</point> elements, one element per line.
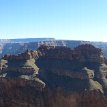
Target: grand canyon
<point>54,75</point>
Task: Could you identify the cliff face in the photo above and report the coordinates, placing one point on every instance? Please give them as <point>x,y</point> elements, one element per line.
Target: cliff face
<point>82,69</point>
<point>54,77</point>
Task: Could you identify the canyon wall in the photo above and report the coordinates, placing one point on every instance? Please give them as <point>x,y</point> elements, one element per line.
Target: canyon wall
<point>54,76</point>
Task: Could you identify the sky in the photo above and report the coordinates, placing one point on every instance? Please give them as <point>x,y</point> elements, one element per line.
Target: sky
<point>60,19</point>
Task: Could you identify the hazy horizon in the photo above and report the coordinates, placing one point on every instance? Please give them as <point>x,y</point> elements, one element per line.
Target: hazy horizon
<point>60,19</point>
<point>55,39</point>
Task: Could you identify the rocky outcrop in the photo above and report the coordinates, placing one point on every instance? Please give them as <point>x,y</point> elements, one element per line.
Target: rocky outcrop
<point>90,53</point>
<point>80,66</point>
<point>54,76</point>
<point>82,53</point>
<point>58,64</point>
<point>102,76</point>
<point>28,54</point>
<point>21,66</point>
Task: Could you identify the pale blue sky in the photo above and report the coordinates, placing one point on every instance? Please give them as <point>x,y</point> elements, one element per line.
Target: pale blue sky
<point>61,19</point>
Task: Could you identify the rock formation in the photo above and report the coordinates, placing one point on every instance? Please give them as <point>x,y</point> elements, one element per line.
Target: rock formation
<point>79,67</point>
<point>54,76</point>
<point>21,66</point>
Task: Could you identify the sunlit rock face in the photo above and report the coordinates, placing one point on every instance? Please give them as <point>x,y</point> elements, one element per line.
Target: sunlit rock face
<point>21,66</point>
<point>23,63</point>
<point>102,71</point>
<point>102,76</point>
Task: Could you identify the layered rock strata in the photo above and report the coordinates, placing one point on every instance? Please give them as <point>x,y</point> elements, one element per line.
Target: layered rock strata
<point>54,77</point>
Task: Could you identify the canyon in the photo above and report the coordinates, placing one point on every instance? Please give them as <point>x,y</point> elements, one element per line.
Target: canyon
<point>54,76</point>
<point>16,46</point>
